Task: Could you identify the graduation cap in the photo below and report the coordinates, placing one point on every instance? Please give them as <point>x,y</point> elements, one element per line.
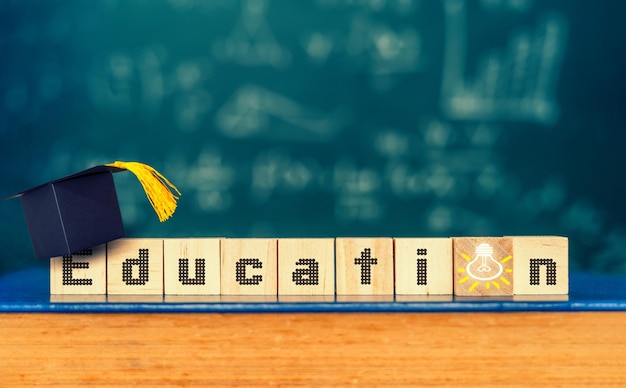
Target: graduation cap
<point>81,210</point>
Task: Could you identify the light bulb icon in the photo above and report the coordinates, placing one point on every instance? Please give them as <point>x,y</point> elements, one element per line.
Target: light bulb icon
<point>484,267</point>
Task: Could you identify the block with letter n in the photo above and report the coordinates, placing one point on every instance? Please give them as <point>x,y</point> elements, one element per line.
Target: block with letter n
<point>541,265</point>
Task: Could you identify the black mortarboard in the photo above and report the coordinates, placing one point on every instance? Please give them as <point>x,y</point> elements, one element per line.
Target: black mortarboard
<point>81,210</point>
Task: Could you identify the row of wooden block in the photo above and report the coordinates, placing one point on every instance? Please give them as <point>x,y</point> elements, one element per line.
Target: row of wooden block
<point>468,266</point>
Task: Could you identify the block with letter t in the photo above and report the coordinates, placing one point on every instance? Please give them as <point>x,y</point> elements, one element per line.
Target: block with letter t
<point>364,266</point>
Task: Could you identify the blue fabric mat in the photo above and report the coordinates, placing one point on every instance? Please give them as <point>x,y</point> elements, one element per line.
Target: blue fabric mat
<point>29,291</point>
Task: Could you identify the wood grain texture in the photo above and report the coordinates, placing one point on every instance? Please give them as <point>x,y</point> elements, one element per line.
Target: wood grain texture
<point>510,349</point>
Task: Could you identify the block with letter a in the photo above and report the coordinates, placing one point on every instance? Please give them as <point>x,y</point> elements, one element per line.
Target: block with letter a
<point>306,266</point>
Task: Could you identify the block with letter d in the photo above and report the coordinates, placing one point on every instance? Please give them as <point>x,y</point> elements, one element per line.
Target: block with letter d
<point>135,266</point>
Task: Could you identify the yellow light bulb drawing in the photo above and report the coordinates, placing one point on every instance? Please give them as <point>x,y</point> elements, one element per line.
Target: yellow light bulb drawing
<point>484,267</point>
<point>485,273</point>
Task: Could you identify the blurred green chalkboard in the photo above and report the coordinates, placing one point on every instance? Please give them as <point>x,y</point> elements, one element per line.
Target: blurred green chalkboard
<point>327,117</point>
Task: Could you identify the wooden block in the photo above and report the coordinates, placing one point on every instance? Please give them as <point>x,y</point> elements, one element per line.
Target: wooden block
<point>307,298</point>
<point>191,298</point>
<point>423,266</point>
<point>249,266</point>
<point>483,266</point>
<point>136,298</point>
<point>78,298</point>
<point>382,298</point>
<point>541,265</point>
<point>82,273</point>
<point>135,266</point>
<point>364,266</point>
<point>191,266</point>
<point>306,266</point>
<point>249,298</point>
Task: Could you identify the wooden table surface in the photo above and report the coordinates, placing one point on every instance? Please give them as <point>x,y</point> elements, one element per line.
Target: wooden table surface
<point>525,349</point>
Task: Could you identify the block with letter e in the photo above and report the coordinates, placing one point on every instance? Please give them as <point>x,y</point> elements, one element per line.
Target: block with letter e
<point>81,273</point>
<point>306,266</point>
<point>135,266</point>
<point>364,266</point>
<point>249,266</point>
<point>541,265</point>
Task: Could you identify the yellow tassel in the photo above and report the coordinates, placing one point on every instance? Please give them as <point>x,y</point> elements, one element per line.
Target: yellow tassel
<point>155,185</point>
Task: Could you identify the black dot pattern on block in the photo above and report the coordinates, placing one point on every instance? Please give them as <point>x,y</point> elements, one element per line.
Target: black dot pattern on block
<point>240,271</point>
<point>143,264</point>
<point>306,276</point>
<point>69,265</point>
<point>366,261</point>
<point>422,251</point>
<point>422,274</point>
<point>535,271</point>
<point>183,272</point>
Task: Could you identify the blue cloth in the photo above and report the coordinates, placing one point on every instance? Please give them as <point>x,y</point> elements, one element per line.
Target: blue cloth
<point>28,290</point>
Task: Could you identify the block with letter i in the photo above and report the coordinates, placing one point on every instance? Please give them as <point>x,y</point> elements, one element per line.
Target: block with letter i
<point>249,266</point>
<point>541,265</point>
<point>364,266</point>
<point>81,273</point>
<point>306,266</point>
<point>192,266</point>
<point>423,266</point>
<point>135,266</point>
<point>483,266</point>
